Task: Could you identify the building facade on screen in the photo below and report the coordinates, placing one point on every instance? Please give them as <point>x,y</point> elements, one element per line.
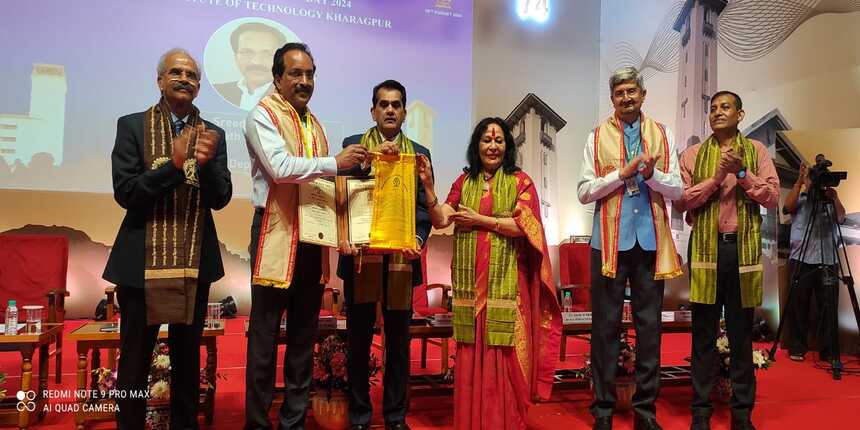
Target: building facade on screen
<point>534,126</point>
<point>41,131</point>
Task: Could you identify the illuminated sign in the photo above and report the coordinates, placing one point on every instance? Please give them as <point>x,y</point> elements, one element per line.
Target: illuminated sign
<point>535,10</point>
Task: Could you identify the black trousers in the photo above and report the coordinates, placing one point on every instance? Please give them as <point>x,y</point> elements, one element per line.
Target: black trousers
<point>137,341</point>
<point>360,321</point>
<point>302,302</point>
<point>809,283</point>
<point>739,323</point>
<point>607,299</point>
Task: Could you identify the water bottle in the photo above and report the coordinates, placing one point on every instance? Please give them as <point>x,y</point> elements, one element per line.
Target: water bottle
<point>567,303</point>
<point>11,318</point>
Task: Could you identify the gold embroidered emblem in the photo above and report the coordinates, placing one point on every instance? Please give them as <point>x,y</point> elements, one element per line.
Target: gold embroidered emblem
<point>158,162</point>
<point>190,170</point>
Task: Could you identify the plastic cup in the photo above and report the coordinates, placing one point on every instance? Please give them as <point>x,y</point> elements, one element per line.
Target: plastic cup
<point>213,315</point>
<point>33,315</point>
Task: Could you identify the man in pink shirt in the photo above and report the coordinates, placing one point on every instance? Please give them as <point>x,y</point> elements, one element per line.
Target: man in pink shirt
<point>726,180</point>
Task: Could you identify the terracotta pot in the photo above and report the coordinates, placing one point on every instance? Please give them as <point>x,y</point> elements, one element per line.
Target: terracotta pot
<point>625,387</point>
<point>331,412</point>
<point>624,390</point>
<point>158,414</point>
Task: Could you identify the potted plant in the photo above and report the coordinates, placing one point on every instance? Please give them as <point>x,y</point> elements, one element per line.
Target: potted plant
<point>625,383</point>
<point>330,403</point>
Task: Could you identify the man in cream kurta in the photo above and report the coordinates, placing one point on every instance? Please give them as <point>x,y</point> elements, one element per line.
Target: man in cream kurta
<point>287,147</point>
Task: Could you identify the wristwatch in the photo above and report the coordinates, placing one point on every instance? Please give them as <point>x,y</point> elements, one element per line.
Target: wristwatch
<point>742,173</point>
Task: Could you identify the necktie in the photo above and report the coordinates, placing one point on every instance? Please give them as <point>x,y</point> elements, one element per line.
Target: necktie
<point>178,126</point>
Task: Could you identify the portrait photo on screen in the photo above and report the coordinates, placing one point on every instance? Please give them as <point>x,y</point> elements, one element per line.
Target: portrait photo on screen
<point>238,59</point>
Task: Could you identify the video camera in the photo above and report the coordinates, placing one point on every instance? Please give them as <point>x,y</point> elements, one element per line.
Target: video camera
<point>822,177</point>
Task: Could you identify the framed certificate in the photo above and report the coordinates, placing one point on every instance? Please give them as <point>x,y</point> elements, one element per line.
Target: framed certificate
<point>354,209</point>
<point>317,213</point>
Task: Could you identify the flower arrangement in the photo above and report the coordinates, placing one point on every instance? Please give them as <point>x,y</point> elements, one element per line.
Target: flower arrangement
<point>158,385</point>
<point>2,381</point>
<point>329,372</point>
<point>761,359</point>
<point>723,385</point>
<point>105,379</point>
<point>626,365</point>
<point>159,373</point>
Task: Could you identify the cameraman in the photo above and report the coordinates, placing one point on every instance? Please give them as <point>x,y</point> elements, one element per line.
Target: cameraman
<point>806,266</point>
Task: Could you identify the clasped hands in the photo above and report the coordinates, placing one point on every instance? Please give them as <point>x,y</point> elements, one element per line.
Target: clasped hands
<point>730,162</point>
<point>643,163</point>
<point>204,149</point>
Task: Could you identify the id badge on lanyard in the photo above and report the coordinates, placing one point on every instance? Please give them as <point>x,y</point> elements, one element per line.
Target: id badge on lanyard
<point>632,185</point>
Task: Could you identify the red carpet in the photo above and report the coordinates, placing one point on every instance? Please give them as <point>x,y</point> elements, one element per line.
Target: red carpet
<point>790,395</point>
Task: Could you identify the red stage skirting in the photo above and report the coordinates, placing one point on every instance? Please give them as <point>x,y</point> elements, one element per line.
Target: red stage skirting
<point>790,395</point>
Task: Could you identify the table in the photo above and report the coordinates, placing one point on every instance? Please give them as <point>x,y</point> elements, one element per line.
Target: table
<point>426,384</point>
<point>669,375</point>
<point>90,337</point>
<point>26,344</point>
<point>438,384</point>
<point>668,327</point>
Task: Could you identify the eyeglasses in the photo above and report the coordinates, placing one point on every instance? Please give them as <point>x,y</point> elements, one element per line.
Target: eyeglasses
<point>180,73</point>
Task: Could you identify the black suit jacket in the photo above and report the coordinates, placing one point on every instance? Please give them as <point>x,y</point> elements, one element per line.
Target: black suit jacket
<point>137,189</point>
<point>345,264</point>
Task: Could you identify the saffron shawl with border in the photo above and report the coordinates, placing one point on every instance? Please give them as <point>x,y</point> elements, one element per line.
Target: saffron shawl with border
<point>609,155</point>
<point>279,230</point>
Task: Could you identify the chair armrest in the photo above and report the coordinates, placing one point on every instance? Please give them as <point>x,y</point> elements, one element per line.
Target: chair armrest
<point>110,310</point>
<point>444,287</point>
<point>444,296</point>
<point>57,304</point>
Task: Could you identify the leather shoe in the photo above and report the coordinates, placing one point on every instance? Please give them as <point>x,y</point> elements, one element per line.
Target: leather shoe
<point>359,427</point>
<point>602,423</point>
<point>742,424</point>
<point>701,422</point>
<point>642,423</point>
<point>396,425</point>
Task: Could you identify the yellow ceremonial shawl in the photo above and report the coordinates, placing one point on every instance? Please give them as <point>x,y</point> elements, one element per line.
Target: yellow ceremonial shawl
<point>609,155</point>
<point>279,232</point>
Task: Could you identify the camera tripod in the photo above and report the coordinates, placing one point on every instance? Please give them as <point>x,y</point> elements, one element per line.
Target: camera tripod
<point>823,213</point>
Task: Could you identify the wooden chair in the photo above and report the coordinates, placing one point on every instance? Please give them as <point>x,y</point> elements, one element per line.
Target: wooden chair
<point>426,307</point>
<point>110,293</point>
<point>33,272</point>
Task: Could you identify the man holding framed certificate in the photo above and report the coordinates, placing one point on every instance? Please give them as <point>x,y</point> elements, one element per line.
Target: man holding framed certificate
<point>289,156</point>
<point>388,277</point>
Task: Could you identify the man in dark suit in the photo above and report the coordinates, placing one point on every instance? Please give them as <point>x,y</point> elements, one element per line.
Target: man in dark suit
<point>169,170</point>
<point>387,279</point>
